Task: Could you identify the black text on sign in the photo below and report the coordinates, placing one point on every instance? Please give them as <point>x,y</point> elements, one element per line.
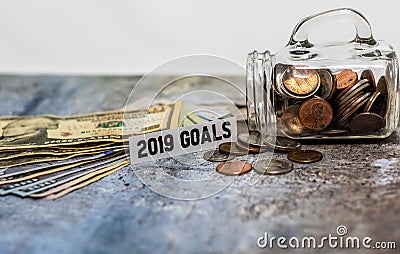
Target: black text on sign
<point>170,143</point>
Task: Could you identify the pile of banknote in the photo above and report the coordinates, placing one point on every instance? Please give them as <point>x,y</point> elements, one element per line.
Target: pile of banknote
<point>50,156</point>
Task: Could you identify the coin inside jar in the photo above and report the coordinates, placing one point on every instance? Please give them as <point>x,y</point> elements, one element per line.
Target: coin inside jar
<point>345,78</point>
<point>315,114</point>
<point>234,168</point>
<point>300,83</point>
<point>380,105</point>
<point>369,75</point>
<point>371,101</point>
<point>216,156</point>
<point>382,85</point>
<point>290,123</point>
<point>305,156</point>
<point>327,84</point>
<point>357,104</point>
<point>279,71</point>
<point>366,123</point>
<point>273,167</point>
<point>342,108</point>
<point>355,89</point>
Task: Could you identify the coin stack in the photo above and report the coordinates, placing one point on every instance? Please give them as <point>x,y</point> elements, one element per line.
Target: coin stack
<point>320,101</point>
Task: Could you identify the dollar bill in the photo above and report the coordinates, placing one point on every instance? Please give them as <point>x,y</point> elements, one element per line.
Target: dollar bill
<point>12,158</point>
<point>20,161</point>
<point>8,174</point>
<point>28,176</point>
<point>20,132</point>
<point>52,182</point>
<point>73,147</point>
<point>52,155</point>
<point>80,183</point>
<point>57,151</point>
<point>46,179</point>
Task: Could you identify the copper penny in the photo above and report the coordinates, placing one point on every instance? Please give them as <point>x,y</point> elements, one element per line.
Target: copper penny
<point>305,156</point>
<point>369,75</point>
<point>234,168</point>
<point>366,123</point>
<point>316,114</point>
<point>345,78</point>
<point>300,82</point>
<point>231,148</point>
<point>327,84</point>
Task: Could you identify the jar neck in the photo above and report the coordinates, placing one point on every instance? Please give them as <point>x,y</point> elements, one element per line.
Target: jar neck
<point>258,91</point>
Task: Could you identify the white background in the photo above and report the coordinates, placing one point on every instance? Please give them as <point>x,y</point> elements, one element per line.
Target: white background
<point>132,37</point>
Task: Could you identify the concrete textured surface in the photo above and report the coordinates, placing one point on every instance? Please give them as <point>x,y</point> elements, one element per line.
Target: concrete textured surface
<point>357,184</point>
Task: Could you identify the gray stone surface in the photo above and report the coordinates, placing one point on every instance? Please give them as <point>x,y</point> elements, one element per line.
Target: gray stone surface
<point>357,184</point>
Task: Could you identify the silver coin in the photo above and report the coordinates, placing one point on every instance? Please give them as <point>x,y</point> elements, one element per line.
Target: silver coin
<point>252,139</point>
<point>371,101</point>
<point>280,69</point>
<point>350,89</point>
<point>366,123</point>
<point>361,85</point>
<point>216,156</point>
<point>348,104</point>
<point>351,110</point>
<point>285,144</point>
<point>328,84</point>
<point>362,99</point>
<point>290,123</point>
<point>273,167</point>
<point>345,106</point>
<point>232,148</point>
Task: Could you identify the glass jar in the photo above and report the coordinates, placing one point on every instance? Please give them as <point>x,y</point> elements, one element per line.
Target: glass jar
<point>341,90</point>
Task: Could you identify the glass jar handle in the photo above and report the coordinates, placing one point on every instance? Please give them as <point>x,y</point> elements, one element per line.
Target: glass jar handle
<point>303,28</point>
